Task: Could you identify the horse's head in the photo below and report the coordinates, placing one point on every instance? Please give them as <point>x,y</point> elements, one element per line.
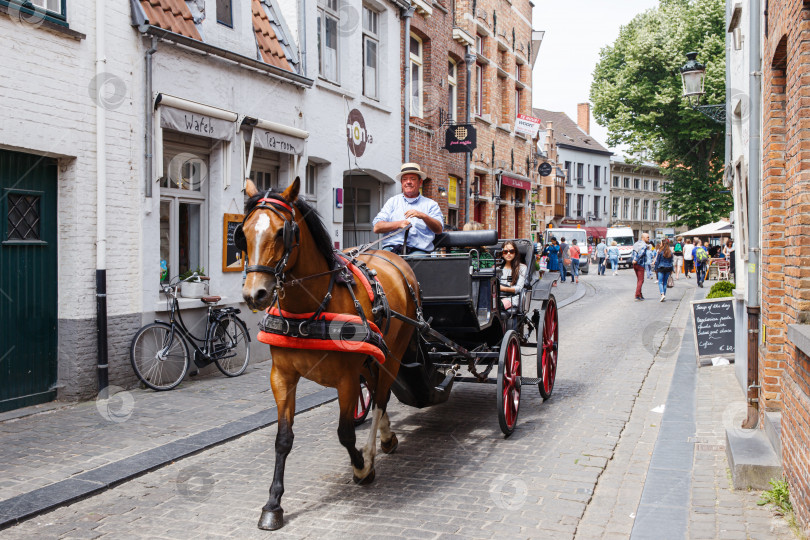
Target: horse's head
<point>270,237</point>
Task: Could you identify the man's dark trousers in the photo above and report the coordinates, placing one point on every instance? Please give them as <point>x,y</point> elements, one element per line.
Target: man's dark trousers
<point>639,270</point>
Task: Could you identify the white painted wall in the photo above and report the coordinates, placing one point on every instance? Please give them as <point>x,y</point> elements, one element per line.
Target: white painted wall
<point>327,105</point>
<point>588,158</point>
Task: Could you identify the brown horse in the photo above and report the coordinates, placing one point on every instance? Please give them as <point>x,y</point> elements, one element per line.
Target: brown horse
<point>280,259</point>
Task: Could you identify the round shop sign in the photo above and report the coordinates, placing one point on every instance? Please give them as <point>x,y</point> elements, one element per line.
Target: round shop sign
<point>356,133</point>
<point>544,169</point>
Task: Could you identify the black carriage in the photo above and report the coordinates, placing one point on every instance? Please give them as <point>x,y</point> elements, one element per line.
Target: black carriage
<point>465,325</point>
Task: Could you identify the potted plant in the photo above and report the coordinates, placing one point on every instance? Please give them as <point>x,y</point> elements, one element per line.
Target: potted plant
<point>195,287</point>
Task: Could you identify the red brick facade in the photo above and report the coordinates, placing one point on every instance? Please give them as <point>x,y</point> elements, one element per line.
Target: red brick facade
<point>784,371</point>
<point>502,32</point>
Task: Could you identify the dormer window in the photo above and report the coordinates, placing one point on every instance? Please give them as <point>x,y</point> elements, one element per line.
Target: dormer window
<point>225,13</point>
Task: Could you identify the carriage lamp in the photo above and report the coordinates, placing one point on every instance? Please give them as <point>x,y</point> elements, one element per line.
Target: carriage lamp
<point>442,191</point>
<point>693,76</point>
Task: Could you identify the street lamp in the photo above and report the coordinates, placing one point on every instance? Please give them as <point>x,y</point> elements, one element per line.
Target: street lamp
<point>693,75</point>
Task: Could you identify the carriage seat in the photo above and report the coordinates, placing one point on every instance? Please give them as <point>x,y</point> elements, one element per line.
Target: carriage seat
<point>462,239</point>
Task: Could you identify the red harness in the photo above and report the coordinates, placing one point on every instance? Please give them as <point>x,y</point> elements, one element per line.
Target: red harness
<point>322,343</point>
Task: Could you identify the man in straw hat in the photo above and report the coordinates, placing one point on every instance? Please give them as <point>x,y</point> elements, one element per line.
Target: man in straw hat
<point>410,207</point>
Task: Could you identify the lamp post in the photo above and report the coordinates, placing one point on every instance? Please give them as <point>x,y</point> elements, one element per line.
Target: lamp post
<point>693,75</point>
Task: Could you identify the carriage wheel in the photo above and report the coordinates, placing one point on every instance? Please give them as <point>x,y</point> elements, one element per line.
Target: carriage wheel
<point>363,403</point>
<point>509,371</point>
<point>547,350</point>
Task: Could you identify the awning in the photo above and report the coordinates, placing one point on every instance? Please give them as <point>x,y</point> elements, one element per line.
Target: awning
<point>596,232</point>
<point>515,181</point>
<point>194,118</point>
<point>719,228</point>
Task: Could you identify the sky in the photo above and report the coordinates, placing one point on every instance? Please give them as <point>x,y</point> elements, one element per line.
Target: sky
<point>576,30</point>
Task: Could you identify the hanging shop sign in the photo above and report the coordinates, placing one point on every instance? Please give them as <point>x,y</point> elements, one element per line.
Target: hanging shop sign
<point>544,169</point>
<point>527,125</point>
<point>460,138</point>
<point>357,137</point>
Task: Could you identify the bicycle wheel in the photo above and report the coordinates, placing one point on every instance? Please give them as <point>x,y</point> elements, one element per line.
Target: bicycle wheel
<point>230,345</point>
<point>160,359</point>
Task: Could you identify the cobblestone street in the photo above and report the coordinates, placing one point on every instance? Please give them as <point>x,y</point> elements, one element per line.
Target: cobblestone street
<point>575,467</point>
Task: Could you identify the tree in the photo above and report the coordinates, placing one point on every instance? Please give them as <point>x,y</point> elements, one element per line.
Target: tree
<point>637,94</point>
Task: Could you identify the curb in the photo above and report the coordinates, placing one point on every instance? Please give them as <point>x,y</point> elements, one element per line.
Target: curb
<point>571,299</point>
<point>81,486</point>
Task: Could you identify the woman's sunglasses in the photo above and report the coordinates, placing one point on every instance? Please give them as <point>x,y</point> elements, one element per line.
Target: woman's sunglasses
<point>508,251</point>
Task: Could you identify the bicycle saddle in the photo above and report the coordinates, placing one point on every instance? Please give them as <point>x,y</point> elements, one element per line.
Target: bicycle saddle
<point>210,299</point>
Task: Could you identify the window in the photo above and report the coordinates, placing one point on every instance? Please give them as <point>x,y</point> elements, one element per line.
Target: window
<point>645,210</point>
<point>479,44</point>
<point>596,206</point>
<point>616,181</point>
<point>311,183</point>
<point>655,185</point>
<point>626,184</point>
<point>655,210</point>
<point>371,48</point>
<point>54,10</point>
<point>506,117</point>
<point>635,208</point>
<point>580,169</point>
<point>636,183</point>
<point>596,175</point>
<point>517,71</point>
<point>518,100</point>
<point>416,76</point>
<point>626,208</point>
<point>183,194</point>
<point>328,40</point>
<point>569,173</point>
<point>646,184</point>
<point>479,89</point>
<point>548,195</point>
<point>616,202</point>
<point>264,170</point>
<point>567,204</point>
<point>452,89</point>
<point>225,13</point>
<point>357,205</point>
<point>580,204</point>
<point>23,215</point>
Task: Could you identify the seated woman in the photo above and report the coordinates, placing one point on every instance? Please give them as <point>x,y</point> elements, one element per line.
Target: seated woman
<point>513,275</point>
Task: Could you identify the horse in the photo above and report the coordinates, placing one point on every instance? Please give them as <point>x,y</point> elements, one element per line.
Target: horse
<point>290,260</point>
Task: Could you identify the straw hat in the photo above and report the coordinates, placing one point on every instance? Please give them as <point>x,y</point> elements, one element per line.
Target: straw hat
<point>411,168</point>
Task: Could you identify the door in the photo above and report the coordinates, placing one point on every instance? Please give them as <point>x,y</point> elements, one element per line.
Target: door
<point>361,203</point>
<point>28,270</point>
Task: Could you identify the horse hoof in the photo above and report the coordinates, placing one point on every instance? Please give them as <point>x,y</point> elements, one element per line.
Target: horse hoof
<point>271,520</point>
<point>364,481</point>
<point>391,446</point>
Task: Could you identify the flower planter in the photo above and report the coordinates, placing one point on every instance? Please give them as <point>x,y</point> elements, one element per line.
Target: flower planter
<point>194,289</point>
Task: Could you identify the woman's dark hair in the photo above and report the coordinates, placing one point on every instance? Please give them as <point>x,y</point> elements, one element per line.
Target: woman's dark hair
<point>515,264</point>
<point>666,251</point>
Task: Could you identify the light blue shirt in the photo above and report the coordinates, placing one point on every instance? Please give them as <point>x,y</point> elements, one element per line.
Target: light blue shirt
<point>420,236</point>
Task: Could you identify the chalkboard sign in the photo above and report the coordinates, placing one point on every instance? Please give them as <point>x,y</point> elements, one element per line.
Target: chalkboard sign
<point>714,327</point>
<point>232,258</point>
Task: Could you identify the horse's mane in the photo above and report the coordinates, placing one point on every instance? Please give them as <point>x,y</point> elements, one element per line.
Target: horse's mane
<point>323,241</point>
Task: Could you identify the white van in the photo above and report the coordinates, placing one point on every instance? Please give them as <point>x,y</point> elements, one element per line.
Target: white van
<point>623,236</point>
<point>570,234</point>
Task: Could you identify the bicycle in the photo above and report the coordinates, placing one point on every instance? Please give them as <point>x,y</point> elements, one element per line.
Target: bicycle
<point>159,352</point>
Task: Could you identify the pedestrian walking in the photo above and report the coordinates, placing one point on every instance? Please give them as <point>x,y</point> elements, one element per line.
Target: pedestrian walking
<point>575,253</point>
<point>648,264</point>
<point>688,253</point>
<point>677,252</point>
<point>565,259</point>
<point>639,257</point>
<point>601,257</point>
<point>613,255</point>
<point>552,251</point>
<point>729,252</point>
<point>701,259</point>
<point>663,266</point>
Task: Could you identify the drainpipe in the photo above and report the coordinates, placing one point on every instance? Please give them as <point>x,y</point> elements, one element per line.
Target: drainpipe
<point>149,116</point>
<point>754,190</point>
<point>469,59</point>
<point>101,205</point>
<point>407,14</point>
<point>302,33</point>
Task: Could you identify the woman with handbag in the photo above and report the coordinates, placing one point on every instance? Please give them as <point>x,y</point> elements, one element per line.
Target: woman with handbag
<point>663,267</point>
<point>552,251</point>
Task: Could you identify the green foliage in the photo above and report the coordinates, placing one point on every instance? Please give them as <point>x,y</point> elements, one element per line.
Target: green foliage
<point>722,286</point>
<point>718,294</point>
<point>637,95</point>
<point>778,495</point>
<point>187,274</point>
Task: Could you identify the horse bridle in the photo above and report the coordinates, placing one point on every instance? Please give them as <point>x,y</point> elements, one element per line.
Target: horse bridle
<point>290,236</point>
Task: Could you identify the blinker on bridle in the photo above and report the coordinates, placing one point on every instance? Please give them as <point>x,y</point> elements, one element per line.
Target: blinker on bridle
<point>290,236</point>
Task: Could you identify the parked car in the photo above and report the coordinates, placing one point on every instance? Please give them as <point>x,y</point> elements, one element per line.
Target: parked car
<point>623,236</point>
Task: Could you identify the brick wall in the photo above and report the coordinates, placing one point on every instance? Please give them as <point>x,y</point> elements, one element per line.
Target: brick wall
<point>501,53</point>
<point>784,371</point>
